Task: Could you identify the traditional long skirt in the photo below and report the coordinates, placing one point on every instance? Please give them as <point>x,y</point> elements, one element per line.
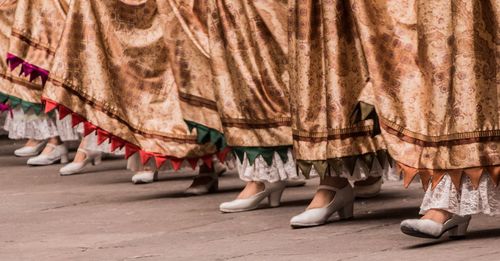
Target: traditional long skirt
<point>248,49</point>
<point>329,74</point>
<point>434,69</point>
<point>30,34</point>
<point>114,71</point>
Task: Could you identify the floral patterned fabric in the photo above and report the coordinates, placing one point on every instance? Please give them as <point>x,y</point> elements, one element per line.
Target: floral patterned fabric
<point>123,78</point>
<point>328,77</point>
<point>248,49</point>
<point>425,71</point>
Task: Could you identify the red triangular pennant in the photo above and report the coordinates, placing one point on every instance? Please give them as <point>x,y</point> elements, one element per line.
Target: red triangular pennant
<point>176,163</point>
<point>130,150</point>
<point>63,112</point>
<point>76,119</point>
<point>223,154</point>
<point>145,156</point>
<point>50,106</point>
<point>102,136</point>
<point>193,163</point>
<point>88,128</point>
<point>160,160</point>
<point>208,160</point>
<point>116,143</point>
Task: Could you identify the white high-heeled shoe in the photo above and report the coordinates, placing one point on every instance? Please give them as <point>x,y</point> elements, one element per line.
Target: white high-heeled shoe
<point>456,226</point>
<point>91,157</point>
<point>272,191</point>
<point>343,203</point>
<point>144,177</point>
<point>30,151</point>
<point>59,153</point>
<point>368,191</point>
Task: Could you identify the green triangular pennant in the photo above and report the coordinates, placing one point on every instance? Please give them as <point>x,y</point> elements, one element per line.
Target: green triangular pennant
<point>382,157</point>
<point>252,154</point>
<point>366,110</point>
<point>239,153</point>
<point>25,106</point>
<point>268,156</point>
<point>190,125</point>
<point>368,160</point>
<point>305,167</point>
<point>350,164</point>
<point>3,98</point>
<point>336,164</point>
<point>14,101</point>
<point>321,166</point>
<point>283,153</point>
<point>38,109</point>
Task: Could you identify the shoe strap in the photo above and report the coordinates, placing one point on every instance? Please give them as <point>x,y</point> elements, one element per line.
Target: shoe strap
<point>330,188</point>
<point>50,145</point>
<point>84,151</point>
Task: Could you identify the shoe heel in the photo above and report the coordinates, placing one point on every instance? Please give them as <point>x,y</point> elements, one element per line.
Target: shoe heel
<point>214,187</point>
<point>347,212</point>
<point>459,231</point>
<point>275,198</point>
<point>64,159</point>
<point>97,160</point>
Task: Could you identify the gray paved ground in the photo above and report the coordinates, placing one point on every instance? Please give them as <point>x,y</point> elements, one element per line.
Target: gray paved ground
<point>102,216</point>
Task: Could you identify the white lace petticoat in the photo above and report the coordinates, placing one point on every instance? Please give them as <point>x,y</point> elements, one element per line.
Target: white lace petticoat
<point>467,201</point>
<point>29,125</point>
<point>91,143</point>
<point>261,171</point>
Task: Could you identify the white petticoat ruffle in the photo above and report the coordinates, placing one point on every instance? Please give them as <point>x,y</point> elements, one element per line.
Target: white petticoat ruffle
<point>467,201</point>
<point>29,125</point>
<point>261,171</point>
<point>91,143</point>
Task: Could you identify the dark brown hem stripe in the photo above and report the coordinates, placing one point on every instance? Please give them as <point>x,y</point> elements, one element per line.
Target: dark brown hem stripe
<point>424,143</point>
<point>255,125</point>
<point>116,117</point>
<point>332,137</point>
<point>197,101</point>
<point>26,84</point>
<point>32,43</point>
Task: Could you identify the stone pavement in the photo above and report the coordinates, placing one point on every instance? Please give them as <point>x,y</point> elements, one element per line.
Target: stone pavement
<point>100,215</point>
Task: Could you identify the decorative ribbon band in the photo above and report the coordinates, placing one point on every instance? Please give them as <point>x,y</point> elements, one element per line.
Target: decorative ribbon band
<point>13,102</point>
<point>205,134</point>
<point>27,69</point>
<point>130,149</point>
<point>267,153</point>
<point>343,163</point>
<point>434,176</point>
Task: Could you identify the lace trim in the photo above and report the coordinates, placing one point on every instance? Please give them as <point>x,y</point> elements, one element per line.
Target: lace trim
<point>260,170</point>
<point>29,125</point>
<point>466,201</point>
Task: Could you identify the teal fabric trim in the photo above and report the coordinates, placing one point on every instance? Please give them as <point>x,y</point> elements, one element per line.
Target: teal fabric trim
<point>26,106</point>
<point>207,135</point>
<point>267,153</point>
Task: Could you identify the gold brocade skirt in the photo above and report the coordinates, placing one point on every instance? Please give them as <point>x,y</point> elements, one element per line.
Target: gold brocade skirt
<point>118,71</point>
<point>418,78</point>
